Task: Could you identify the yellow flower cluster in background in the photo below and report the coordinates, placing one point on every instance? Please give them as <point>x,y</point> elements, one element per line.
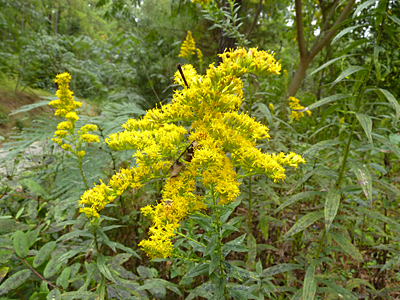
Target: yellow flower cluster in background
<point>294,103</point>
<point>64,136</point>
<point>201,2</point>
<point>188,49</point>
<point>211,106</point>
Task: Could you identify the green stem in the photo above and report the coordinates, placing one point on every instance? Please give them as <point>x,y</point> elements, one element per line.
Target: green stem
<point>320,244</point>
<point>250,204</point>
<point>98,251</point>
<point>190,239</point>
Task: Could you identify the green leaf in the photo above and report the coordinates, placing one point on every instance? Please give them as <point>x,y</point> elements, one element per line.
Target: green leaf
<point>43,253</point>
<point>389,96</point>
<point>101,263</point>
<point>215,260</point>
<point>63,278</point>
<point>378,168</point>
<point>105,239</point>
<point>347,72</point>
<point>21,244</point>
<point>321,145</point>
<point>29,107</point>
<point>366,123</point>
<point>237,294</point>
<point>304,222</point>
<point>211,246</point>
<point>75,233</point>
<point>14,281</point>
<point>310,285</point>
<point>32,236</point>
<point>3,272</point>
<point>327,64</point>
<point>126,249</point>
<point>19,213</point>
<point>353,45</point>
<point>387,143</point>
<point>294,198</point>
<point>364,179</point>
<point>340,291</point>
<point>84,287</point>
<point>196,271</point>
<point>265,110</point>
<point>332,202</point>
<point>34,187</point>
<point>377,216</point>
<point>328,100</point>
<point>343,32</point>
<point>394,19</point>
<point>362,6</point>
<point>281,268</point>
<point>346,245</point>
<point>390,187</point>
<point>101,290</point>
<point>5,255</point>
<point>52,267</point>
<point>236,245</point>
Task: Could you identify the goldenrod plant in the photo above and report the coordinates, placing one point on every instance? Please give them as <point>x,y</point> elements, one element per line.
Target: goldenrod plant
<point>66,135</point>
<point>213,148</point>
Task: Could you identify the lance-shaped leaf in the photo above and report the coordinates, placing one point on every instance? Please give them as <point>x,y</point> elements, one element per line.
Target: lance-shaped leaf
<point>267,113</point>
<point>340,291</point>
<point>347,72</point>
<point>364,179</point>
<point>310,284</point>
<point>294,198</point>
<point>14,281</point>
<point>304,222</point>
<point>377,216</point>
<point>392,101</point>
<point>332,202</point>
<point>366,123</point>
<point>387,143</point>
<point>346,245</point>
<point>281,268</point>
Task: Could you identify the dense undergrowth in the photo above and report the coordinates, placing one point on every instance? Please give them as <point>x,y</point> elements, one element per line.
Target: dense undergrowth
<point>207,181</point>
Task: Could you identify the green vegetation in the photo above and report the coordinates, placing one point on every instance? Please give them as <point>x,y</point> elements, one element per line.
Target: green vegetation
<point>220,184</point>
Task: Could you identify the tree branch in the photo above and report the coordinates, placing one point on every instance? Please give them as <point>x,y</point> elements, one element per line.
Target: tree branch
<point>299,25</point>
<point>345,12</point>
<point>328,18</point>
<point>255,19</point>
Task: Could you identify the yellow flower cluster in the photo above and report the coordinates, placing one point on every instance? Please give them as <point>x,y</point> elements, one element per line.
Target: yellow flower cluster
<point>219,140</point>
<point>66,105</point>
<point>294,103</point>
<point>188,49</point>
<point>201,2</point>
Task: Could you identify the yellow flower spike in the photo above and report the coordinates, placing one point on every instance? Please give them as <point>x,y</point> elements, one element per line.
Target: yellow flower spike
<point>188,47</point>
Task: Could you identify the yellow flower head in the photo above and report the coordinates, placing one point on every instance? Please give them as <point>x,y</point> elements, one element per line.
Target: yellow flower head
<point>89,138</point>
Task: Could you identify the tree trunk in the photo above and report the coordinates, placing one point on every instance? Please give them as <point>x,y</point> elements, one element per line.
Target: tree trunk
<point>327,33</point>
<point>57,15</point>
<point>299,76</point>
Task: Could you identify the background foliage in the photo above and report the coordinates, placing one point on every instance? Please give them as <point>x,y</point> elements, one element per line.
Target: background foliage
<point>329,231</point>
